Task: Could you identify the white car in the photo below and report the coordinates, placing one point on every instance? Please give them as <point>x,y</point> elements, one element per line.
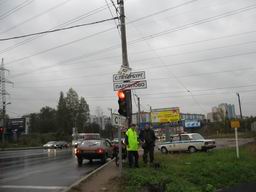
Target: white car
<point>191,142</point>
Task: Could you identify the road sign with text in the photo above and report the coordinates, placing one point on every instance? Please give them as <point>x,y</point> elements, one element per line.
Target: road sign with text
<point>118,120</point>
<point>139,75</point>
<point>130,85</point>
<point>235,124</point>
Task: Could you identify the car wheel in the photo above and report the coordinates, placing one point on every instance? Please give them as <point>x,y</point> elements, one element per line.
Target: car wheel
<point>164,150</point>
<point>80,161</point>
<point>192,149</point>
<point>103,159</point>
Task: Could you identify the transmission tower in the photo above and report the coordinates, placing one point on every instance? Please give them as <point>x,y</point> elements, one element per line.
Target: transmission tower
<point>3,92</point>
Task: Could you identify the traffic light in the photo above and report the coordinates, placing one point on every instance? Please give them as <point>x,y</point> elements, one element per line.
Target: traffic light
<point>122,103</point>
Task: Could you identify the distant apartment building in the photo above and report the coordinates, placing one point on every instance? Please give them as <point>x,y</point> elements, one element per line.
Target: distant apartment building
<point>102,121</point>
<point>221,112</point>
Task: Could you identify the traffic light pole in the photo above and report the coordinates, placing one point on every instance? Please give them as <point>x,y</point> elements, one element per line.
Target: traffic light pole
<point>125,63</point>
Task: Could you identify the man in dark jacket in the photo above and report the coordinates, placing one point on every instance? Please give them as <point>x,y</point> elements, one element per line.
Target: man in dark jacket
<point>148,138</point>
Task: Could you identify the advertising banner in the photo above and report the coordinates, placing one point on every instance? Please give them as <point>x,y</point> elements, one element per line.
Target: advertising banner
<point>165,115</point>
<point>192,124</point>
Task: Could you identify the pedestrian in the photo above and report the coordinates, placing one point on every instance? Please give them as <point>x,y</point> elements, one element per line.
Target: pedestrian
<point>131,141</point>
<point>148,138</point>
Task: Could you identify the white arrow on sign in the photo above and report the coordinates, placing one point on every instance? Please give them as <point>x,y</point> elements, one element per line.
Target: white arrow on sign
<point>130,85</point>
<point>132,76</point>
<point>118,120</point>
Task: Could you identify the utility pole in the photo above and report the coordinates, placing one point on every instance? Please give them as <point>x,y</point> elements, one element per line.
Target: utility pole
<point>138,120</point>
<point>3,80</point>
<point>239,102</point>
<point>125,62</point>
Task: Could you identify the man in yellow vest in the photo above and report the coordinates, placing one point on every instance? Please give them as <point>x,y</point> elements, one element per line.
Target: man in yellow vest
<point>132,143</point>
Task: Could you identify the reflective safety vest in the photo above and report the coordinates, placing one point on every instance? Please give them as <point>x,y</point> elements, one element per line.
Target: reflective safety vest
<point>133,144</point>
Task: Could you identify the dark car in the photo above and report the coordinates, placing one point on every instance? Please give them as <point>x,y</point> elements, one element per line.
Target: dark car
<point>61,145</point>
<point>94,149</point>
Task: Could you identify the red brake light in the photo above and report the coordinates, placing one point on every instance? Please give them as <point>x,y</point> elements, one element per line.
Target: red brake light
<point>100,150</point>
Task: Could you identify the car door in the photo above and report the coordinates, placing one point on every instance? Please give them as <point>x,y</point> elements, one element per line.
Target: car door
<point>185,142</point>
<point>174,145</point>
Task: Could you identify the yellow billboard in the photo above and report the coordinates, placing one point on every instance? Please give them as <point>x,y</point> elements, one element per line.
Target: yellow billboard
<point>165,115</point>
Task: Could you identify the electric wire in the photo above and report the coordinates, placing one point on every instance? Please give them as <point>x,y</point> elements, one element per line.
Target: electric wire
<point>71,21</point>
<point>36,16</point>
<point>15,9</point>
<point>59,29</point>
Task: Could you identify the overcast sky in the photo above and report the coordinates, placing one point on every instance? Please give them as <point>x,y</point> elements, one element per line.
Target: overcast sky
<point>196,54</point>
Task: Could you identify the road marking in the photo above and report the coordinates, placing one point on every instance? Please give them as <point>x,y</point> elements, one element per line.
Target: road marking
<point>33,187</point>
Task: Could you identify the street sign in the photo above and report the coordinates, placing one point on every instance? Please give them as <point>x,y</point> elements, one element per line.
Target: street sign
<point>235,124</point>
<point>118,120</point>
<point>130,85</point>
<point>132,76</point>
<point>124,70</point>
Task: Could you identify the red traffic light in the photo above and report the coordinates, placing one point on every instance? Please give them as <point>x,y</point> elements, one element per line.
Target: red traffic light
<point>121,95</point>
<point>1,130</point>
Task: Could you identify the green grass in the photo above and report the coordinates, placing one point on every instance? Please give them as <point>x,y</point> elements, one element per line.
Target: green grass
<point>198,172</point>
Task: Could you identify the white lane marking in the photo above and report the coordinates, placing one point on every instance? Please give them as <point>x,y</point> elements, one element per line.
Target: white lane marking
<point>32,187</point>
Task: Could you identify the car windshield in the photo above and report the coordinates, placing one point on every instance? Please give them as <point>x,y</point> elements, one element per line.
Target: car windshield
<point>51,142</point>
<point>92,137</point>
<point>91,143</point>
<point>197,137</point>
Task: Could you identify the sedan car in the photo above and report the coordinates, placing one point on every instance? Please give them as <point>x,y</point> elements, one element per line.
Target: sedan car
<point>191,142</point>
<point>94,149</point>
<point>50,145</point>
<point>61,145</point>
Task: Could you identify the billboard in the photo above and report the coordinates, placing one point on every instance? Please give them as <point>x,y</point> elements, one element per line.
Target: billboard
<point>166,115</point>
<point>17,124</point>
<point>192,124</point>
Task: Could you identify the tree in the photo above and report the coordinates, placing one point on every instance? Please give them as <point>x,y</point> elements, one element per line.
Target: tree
<point>92,128</point>
<point>72,104</point>
<point>48,120</point>
<point>62,115</point>
<point>83,115</point>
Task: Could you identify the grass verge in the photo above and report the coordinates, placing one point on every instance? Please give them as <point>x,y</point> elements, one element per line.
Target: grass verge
<point>198,172</point>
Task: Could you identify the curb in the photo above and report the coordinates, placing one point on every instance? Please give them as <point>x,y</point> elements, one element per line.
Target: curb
<point>19,148</point>
<point>87,176</point>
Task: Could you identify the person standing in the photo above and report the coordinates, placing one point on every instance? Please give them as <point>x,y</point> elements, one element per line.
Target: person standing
<point>148,138</point>
<point>131,141</point>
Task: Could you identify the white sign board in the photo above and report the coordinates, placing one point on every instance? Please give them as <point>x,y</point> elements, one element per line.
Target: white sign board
<point>124,70</point>
<point>132,76</point>
<point>130,85</point>
<point>118,120</point>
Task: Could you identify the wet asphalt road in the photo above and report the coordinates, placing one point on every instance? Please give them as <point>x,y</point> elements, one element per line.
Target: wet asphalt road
<point>40,170</point>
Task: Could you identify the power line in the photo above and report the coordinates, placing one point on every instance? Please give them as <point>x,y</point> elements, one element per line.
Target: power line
<point>36,16</point>
<point>60,29</point>
<point>101,31</point>
<point>113,16</point>
<point>149,36</point>
<point>15,9</point>
<point>199,22</point>
<point>71,21</point>
<point>108,74</point>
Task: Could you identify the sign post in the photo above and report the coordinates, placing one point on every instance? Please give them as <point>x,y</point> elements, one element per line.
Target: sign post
<point>236,124</point>
<point>119,121</point>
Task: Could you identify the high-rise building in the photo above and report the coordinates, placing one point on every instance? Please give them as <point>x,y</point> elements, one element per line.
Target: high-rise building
<point>223,111</point>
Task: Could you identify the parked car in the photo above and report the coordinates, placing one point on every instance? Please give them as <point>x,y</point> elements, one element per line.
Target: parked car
<point>94,149</point>
<point>191,142</point>
<point>61,145</point>
<point>50,145</point>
